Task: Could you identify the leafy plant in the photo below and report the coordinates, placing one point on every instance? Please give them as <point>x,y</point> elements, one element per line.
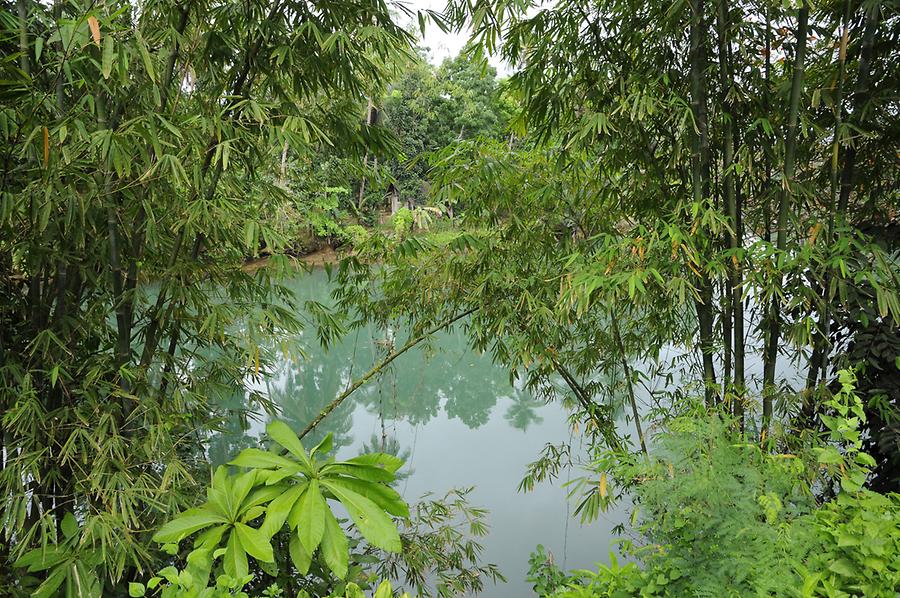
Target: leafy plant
<point>70,566</point>
<point>544,575</point>
<point>719,514</point>
<point>288,485</point>
<point>403,222</point>
<point>232,502</point>
<point>442,548</point>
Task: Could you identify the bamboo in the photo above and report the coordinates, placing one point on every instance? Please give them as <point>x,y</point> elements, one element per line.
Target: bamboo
<point>606,427</point>
<point>859,96</point>
<point>629,383</point>
<point>24,50</point>
<point>735,240</point>
<point>817,362</point>
<point>790,151</point>
<point>700,185</point>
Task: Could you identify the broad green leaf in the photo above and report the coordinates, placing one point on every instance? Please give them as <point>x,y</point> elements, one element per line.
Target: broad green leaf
<point>844,567</point>
<point>41,559</point>
<point>299,556</point>
<point>234,561</point>
<point>262,495</point>
<point>255,542</point>
<point>181,527</point>
<point>253,457</point>
<point>384,496</point>
<point>373,522</point>
<point>241,486</point>
<point>384,590</point>
<point>324,447</point>
<point>136,590</point>
<point>278,510</point>
<point>69,526</point>
<point>334,546</point>
<point>283,435</point>
<point>309,517</point>
<point>384,461</point>
<point>211,538</point>
<point>363,472</point>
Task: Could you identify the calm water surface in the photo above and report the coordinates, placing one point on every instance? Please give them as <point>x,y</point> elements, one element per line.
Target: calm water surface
<point>455,418</point>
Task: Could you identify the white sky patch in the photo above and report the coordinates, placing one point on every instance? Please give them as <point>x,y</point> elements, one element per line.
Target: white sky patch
<point>440,45</point>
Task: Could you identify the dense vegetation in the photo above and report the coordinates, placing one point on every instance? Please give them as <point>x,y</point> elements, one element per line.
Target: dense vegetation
<point>661,197</point>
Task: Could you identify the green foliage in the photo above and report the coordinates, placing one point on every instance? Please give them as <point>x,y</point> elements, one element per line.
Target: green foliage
<point>70,566</point>
<point>403,222</point>
<point>544,575</point>
<point>293,489</point>
<point>858,547</point>
<point>441,553</point>
<point>430,108</point>
<point>139,169</point>
<point>719,514</point>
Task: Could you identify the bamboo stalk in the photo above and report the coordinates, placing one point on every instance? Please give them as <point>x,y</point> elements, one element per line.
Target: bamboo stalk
<point>24,50</point>
<point>735,240</point>
<point>790,152</point>
<point>859,95</point>
<point>700,185</point>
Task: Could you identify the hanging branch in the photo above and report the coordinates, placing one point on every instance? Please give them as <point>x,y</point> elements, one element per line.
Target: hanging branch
<point>378,368</point>
<point>627,369</point>
<point>606,427</point>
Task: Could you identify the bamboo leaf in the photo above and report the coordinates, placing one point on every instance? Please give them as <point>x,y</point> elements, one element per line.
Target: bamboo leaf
<point>95,29</point>
<point>108,58</point>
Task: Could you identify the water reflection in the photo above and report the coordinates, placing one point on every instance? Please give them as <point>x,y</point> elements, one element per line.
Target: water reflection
<point>455,419</point>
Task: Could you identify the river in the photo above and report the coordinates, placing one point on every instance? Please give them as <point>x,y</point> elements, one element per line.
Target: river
<point>456,419</point>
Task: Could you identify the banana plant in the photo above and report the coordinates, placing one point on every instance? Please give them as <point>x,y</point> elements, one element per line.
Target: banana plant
<point>289,486</point>
<point>360,484</point>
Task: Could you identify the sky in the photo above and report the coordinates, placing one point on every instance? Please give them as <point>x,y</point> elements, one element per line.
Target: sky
<point>442,45</point>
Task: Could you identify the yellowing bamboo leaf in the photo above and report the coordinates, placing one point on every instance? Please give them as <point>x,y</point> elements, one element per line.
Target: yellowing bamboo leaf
<point>603,491</point>
<point>95,29</point>
<point>46,147</point>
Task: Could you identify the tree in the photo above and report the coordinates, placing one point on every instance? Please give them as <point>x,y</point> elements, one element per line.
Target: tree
<point>140,147</point>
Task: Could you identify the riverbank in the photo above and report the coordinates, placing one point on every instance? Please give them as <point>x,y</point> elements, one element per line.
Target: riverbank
<point>315,259</point>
